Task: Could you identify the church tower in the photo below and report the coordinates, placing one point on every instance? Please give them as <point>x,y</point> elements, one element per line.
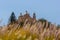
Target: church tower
<point>34,16</point>
<point>20,14</point>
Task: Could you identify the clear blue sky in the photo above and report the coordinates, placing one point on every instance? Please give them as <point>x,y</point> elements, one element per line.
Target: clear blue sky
<point>48,9</point>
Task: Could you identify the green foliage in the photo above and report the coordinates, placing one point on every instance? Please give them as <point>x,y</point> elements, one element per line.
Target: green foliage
<point>49,24</point>
<point>12,18</point>
<point>58,26</point>
<point>42,20</point>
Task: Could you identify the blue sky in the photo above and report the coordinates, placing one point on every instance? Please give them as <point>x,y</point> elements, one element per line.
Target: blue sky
<point>48,9</point>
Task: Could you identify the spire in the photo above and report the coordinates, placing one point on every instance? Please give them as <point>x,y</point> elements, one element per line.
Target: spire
<point>26,12</point>
<point>20,14</point>
<point>34,16</point>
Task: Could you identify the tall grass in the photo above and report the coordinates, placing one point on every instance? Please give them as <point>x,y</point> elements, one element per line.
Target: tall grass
<point>30,32</point>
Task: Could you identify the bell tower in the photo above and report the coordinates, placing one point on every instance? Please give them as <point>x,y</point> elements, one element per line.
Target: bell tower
<point>20,14</point>
<point>34,16</point>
